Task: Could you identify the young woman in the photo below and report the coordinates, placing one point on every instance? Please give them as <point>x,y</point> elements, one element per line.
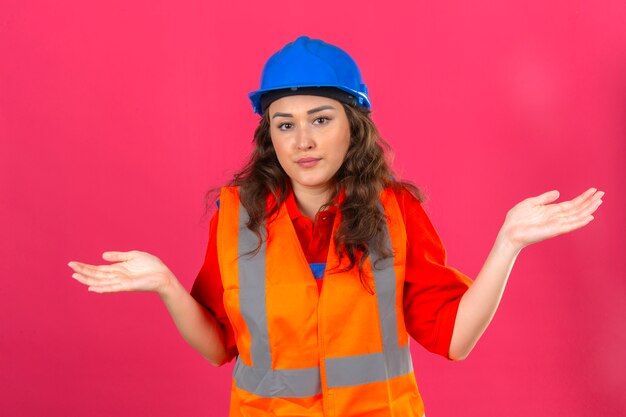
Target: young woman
<point>321,266</point>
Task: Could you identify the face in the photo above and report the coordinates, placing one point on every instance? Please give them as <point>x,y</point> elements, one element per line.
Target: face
<point>311,136</point>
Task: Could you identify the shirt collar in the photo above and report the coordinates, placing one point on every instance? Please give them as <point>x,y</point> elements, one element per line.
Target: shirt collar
<point>294,211</point>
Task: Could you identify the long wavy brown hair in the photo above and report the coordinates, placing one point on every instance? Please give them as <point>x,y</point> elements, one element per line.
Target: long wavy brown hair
<point>365,172</point>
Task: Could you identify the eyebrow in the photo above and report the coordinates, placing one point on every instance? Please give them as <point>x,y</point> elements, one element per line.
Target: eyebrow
<point>315,110</point>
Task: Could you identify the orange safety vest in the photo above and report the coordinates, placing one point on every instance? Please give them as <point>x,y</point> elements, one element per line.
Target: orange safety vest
<point>342,352</point>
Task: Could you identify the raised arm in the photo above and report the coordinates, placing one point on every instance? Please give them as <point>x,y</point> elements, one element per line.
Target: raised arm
<point>530,221</point>
<point>141,271</point>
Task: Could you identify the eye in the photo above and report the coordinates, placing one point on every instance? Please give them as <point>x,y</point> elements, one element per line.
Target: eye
<point>284,126</point>
<point>321,120</point>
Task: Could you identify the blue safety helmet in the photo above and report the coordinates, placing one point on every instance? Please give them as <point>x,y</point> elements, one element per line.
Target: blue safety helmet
<point>310,63</point>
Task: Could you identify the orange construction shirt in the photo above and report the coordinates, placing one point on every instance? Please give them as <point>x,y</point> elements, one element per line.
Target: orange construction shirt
<point>432,290</point>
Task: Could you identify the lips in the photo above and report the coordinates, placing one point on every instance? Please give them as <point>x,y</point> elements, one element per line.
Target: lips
<point>308,162</point>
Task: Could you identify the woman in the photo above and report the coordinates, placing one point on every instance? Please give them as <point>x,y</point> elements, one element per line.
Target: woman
<point>320,265</point>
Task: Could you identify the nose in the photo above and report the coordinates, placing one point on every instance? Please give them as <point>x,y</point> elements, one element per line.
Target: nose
<point>304,139</point>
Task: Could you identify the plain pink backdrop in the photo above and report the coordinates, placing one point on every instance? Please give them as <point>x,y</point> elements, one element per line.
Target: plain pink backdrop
<point>117,116</point>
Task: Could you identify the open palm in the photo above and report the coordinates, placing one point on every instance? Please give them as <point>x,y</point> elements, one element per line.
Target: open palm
<point>535,219</point>
<point>132,271</point>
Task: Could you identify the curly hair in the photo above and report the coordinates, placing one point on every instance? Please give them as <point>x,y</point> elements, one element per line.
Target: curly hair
<point>365,172</point>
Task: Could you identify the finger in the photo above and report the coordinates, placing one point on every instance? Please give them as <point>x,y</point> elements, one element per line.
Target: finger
<point>100,272</point>
<point>573,225</point>
<point>598,195</point>
<point>561,226</point>
<point>114,256</point>
<point>586,207</point>
<point>589,208</point>
<point>580,214</point>
<point>79,266</point>
<point>546,197</point>
<point>87,280</point>
<point>566,207</point>
<point>584,197</point>
<point>117,287</point>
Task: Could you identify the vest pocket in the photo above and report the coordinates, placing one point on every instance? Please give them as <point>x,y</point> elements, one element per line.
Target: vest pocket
<point>292,325</point>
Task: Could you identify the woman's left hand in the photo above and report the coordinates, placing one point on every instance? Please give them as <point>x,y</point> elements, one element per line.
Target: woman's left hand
<point>535,219</point>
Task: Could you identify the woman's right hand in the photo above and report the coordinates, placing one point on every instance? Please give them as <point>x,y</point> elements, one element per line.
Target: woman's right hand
<point>132,271</point>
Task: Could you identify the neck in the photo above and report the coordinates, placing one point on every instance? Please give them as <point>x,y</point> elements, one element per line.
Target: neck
<point>310,200</point>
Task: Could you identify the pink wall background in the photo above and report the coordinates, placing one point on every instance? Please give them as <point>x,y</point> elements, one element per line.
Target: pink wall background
<point>116,116</point>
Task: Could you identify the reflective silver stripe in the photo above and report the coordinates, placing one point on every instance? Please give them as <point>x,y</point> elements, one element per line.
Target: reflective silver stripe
<point>349,371</point>
<point>385,282</point>
<point>283,383</point>
<point>260,379</point>
<point>252,292</point>
<point>397,359</point>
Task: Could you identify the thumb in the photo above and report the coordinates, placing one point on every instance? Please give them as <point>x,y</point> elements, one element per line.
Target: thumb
<point>113,256</point>
<point>547,197</point>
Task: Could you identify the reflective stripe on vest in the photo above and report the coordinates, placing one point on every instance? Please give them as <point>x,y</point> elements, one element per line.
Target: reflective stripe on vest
<point>261,380</point>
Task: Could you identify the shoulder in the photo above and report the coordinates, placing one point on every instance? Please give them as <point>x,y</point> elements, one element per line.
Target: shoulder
<point>227,195</point>
<point>409,197</point>
<point>230,189</point>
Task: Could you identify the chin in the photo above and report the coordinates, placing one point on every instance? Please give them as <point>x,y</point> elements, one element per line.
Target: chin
<point>312,182</point>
